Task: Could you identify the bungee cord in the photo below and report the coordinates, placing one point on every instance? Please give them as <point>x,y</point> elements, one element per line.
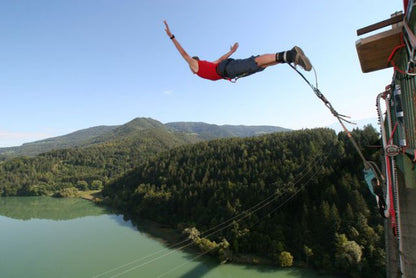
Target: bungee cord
<point>340,117</point>
<point>371,169</point>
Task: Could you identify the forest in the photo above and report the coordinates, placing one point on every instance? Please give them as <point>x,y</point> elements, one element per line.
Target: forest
<point>63,172</point>
<point>90,158</point>
<point>293,198</point>
<point>290,197</point>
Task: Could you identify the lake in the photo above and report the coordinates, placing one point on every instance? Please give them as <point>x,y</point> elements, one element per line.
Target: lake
<point>48,237</point>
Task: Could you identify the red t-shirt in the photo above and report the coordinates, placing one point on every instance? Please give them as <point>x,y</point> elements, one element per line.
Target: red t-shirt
<point>208,70</point>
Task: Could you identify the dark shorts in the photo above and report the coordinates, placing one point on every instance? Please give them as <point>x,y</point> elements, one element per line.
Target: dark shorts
<point>232,68</point>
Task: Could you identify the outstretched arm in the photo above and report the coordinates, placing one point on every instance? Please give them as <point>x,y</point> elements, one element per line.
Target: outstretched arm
<point>193,64</point>
<point>228,54</point>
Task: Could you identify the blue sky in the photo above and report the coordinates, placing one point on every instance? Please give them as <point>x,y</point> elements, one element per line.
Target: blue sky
<point>73,64</point>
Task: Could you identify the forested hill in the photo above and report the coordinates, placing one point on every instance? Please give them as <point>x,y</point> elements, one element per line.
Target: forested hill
<point>84,138</point>
<point>300,193</point>
<point>92,157</point>
<point>211,131</point>
<point>102,134</point>
<point>74,139</point>
<point>65,171</point>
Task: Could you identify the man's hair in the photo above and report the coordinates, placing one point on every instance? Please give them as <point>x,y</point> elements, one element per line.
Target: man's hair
<point>195,57</point>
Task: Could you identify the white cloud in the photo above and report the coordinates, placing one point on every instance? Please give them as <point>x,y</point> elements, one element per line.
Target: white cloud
<point>168,92</point>
<point>9,138</point>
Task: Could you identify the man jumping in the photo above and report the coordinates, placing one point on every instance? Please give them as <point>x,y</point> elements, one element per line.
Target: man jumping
<point>228,68</point>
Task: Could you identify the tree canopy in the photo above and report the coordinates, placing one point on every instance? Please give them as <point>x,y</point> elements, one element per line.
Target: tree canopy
<point>307,187</point>
<point>296,197</point>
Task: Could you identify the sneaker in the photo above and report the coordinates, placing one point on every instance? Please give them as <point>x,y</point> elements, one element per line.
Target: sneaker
<point>301,59</point>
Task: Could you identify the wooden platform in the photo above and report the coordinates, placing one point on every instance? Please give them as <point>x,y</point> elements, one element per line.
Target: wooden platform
<point>374,51</point>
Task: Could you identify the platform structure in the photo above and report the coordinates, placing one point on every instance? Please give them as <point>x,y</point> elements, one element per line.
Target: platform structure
<point>396,48</point>
<point>375,50</point>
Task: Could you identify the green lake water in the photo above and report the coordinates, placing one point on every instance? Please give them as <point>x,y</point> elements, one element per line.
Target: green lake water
<point>47,237</point>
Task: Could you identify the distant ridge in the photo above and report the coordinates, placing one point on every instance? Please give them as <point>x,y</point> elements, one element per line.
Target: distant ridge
<point>211,131</point>
<point>134,129</point>
<point>74,139</point>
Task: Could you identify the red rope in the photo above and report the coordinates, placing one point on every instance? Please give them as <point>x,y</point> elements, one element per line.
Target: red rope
<point>392,133</point>
<point>393,52</point>
<point>391,61</point>
<point>392,212</point>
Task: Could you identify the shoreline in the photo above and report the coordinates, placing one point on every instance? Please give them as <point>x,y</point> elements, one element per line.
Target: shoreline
<point>173,238</point>
<point>90,195</point>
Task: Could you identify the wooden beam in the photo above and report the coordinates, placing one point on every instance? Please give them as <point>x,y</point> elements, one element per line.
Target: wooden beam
<point>375,50</point>
<point>381,24</point>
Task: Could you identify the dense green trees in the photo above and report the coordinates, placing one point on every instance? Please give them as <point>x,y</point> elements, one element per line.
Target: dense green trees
<point>208,246</point>
<point>84,168</point>
<point>296,197</point>
<point>301,192</point>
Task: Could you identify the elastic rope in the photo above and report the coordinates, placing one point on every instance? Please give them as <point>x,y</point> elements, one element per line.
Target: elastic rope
<point>341,119</point>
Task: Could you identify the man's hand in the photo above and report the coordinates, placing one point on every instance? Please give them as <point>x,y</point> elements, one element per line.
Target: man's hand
<point>234,47</point>
<point>167,29</point>
<point>193,64</point>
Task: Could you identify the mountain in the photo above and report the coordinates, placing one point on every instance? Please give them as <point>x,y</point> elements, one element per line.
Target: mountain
<point>82,138</point>
<point>128,130</point>
<point>74,139</point>
<point>195,131</point>
<point>90,158</point>
<point>92,163</point>
<point>211,131</point>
